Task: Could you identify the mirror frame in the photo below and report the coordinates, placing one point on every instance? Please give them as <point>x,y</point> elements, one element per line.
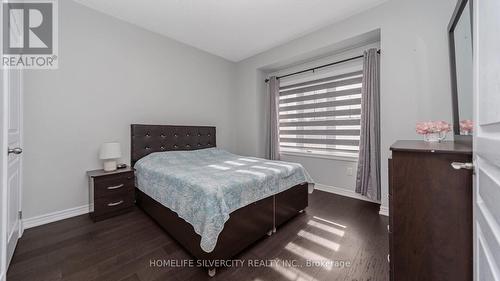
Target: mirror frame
<point>457,13</point>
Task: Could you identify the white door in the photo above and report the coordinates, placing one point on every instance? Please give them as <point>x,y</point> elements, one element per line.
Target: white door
<point>11,133</point>
<point>3,182</point>
<point>13,174</point>
<point>487,140</point>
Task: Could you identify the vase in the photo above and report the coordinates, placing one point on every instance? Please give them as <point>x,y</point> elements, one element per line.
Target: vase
<point>465,132</point>
<point>435,137</point>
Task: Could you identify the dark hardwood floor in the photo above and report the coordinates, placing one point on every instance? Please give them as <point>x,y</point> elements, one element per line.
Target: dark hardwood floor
<point>334,228</point>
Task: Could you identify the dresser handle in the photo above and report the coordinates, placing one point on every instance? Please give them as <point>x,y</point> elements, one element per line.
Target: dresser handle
<point>389,258</point>
<point>115,203</point>
<point>114,187</point>
<point>459,165</point>
<point>388,228</point>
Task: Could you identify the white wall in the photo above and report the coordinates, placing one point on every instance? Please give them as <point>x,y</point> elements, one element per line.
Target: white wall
<point>111,74</point>
<point>415,82</point>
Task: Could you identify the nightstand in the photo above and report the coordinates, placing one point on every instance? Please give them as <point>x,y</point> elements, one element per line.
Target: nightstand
<point>113,193</point>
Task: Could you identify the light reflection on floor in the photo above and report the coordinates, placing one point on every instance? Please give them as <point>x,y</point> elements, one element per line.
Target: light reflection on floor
<point>326,228</point>
<point>330,222</point>
<point>307,254</point>
<point>292,273</point>
<point>295,274</point>
<point>319,240</point>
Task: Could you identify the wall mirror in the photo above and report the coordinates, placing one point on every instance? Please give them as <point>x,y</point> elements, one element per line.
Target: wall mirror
<point>460,41</point>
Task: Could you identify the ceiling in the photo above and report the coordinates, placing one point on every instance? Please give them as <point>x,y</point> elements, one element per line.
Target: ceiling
<point>232,29</point>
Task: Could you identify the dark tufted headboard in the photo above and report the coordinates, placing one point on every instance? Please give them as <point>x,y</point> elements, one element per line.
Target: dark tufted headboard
<point>146,139</point>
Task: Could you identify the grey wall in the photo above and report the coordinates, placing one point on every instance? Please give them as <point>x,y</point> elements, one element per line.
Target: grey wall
<point>111,74</point>
<point>415,82</point>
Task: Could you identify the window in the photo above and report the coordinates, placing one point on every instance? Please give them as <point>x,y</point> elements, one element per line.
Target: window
<point>322,116</point>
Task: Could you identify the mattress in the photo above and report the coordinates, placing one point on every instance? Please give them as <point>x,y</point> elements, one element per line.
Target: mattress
<point>205,186</point>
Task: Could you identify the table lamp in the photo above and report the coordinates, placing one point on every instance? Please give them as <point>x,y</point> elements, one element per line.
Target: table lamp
<point>110,152</point>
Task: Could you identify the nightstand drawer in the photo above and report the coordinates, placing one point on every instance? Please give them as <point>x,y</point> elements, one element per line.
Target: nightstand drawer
<point>111,204</point>
<point>115,178</point>
<point>112,190</point>
<point>113,184</point>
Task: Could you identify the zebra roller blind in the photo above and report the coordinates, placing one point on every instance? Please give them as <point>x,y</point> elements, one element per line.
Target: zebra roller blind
<point>322,116</point>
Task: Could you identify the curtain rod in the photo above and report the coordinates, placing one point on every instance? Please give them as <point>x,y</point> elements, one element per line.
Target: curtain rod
<point>318,67</point>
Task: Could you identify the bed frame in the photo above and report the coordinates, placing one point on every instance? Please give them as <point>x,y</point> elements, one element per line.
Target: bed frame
<point>245,225</point>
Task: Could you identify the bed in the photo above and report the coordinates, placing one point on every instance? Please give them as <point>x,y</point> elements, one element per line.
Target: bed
<point>243,227</point>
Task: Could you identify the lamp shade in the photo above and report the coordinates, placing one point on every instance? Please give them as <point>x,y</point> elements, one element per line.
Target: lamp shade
<point>110,150</point>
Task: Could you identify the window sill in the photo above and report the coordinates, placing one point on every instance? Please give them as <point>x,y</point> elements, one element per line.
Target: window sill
<point>322,156</point>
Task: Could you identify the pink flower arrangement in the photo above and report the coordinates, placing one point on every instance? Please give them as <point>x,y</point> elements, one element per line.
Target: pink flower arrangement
<point>429,127</point>
<point>466,126</point>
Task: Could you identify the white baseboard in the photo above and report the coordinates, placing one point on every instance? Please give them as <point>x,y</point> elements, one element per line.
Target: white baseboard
<point>343,192</point>
<point>384,211</point>
<point>55,216</point>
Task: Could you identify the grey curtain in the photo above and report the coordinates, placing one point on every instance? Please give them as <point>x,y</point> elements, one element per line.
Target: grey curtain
<point>273,145</point>
<point>368,175</point>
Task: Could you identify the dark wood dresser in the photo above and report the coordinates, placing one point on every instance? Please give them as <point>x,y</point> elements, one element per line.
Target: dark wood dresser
<point>112,193</point>
<point>430,212</point>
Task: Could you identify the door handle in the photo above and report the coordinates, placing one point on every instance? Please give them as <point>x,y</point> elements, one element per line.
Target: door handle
<point>16,150</point>
<point>460,165</point>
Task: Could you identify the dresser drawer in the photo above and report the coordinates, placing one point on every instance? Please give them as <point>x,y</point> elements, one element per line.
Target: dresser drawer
<point>113,184</point>
<point>116,202</point>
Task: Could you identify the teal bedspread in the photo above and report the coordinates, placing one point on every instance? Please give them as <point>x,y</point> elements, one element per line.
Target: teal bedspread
<point>204,186</point>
